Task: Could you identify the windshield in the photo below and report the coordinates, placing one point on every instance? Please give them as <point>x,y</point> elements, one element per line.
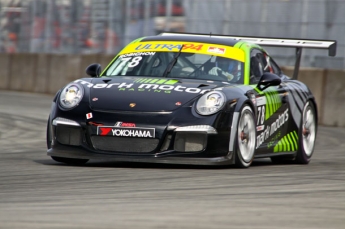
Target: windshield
<point>186,64</point>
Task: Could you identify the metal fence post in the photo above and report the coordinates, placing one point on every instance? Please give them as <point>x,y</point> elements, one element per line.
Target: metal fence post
<point>168,10</point>
<point>226,19</point>
<point>128,4</point>
<point>110,32</point>
<point>47,27</point>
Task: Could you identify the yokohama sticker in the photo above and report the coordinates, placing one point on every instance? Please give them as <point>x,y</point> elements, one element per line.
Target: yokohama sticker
<point>132,132</point>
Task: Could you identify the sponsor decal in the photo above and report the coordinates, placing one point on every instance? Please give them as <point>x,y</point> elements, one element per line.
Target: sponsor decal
<point>132,132</point>
<point>169,47</point>
<point>89,115</point>
<point>167,87</point>
<point>216,50</point>
<point>288,143</point>
<point>104,130</point>
<point>118,124</point>
<point>271,130</point>
<point>132,105</point>
<point>124,124</point>
<point>260,128</point>
<point>148,48</point>
<point>127,124</point>
<point>178,103</point>
<point>95,124</point>
<point>94,99</point>
<point>261,101</point>
<point>274,139</point>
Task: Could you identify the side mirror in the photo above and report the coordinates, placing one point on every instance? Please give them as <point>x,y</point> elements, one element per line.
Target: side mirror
<point>94,70</point>
<point>267,80</point>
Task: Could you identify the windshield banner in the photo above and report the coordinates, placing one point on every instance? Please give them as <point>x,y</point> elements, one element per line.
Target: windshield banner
<point>148,48</point>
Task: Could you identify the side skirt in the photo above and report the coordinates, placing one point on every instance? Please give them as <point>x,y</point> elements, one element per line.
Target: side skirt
<point>293,153</point>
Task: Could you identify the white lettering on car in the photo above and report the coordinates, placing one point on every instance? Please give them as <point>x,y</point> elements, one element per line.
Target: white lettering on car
<point>124,85</point>
<point>131,133</point>
<point>270,130</point>
<point>145,87</point>
<point>138,54</point>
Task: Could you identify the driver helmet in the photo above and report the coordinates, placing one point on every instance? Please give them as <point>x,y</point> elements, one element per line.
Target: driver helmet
<point>228,65</point>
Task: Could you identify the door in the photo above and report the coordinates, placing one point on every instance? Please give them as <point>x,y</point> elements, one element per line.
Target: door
<point>272,116</point>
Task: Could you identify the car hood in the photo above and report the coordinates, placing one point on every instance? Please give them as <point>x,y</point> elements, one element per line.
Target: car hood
<point>145,94</point>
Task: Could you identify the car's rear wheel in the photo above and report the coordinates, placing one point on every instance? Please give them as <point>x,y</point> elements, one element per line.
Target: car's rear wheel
<point>245,138</point>
<point>70,161</point>
<point>307,134</point>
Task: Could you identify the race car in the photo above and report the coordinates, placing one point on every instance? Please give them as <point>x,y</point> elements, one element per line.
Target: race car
<point>188,99</point>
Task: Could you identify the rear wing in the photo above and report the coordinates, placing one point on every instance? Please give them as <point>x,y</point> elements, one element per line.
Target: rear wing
<point>331,45</point>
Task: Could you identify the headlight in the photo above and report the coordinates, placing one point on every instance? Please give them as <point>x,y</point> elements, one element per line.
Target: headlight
<point>210,103</point>
<point>71,95</point>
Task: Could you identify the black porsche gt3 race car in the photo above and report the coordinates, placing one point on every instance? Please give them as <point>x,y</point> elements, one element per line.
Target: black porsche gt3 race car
<point>188,99</point>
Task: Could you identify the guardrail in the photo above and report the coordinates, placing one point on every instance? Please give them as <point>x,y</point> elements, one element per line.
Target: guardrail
<point>47,73</point>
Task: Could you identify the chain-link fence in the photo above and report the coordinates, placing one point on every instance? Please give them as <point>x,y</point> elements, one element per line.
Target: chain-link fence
<point>105,26</point>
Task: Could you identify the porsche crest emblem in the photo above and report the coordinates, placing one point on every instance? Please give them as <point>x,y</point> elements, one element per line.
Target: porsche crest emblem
<point>132,104</point>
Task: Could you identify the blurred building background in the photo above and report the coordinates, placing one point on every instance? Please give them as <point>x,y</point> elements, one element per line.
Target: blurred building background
<point>105,26</point>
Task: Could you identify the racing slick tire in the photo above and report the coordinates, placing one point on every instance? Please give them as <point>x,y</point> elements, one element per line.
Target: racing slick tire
<point>245,138</point>
<point>307,134</point>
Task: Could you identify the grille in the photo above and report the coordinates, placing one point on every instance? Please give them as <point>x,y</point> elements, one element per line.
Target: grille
<point>68,135</point>
<point>120,144</point>
<point>190,142</point>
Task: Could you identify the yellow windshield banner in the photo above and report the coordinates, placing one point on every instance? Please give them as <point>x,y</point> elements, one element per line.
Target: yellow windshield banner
<point>191,47</point>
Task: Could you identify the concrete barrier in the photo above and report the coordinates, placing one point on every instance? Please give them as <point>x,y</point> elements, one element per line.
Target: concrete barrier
<point>74,70</point>
<point>47,73</point>
<point>57,74</point>
<point>22,72</point>
<point>334,99</point>
<point>42,71</point>
<point>5,61</point>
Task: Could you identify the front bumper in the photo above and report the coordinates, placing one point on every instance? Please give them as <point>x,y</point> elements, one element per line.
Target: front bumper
<point>180,136</point>
<point>198,144</point>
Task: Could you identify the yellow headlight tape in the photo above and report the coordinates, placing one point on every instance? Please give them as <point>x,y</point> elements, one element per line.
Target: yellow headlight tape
<point>190,47</point>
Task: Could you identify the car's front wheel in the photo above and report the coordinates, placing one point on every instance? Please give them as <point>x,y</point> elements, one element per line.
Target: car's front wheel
<point>245,138</point>
<point>70,161</point>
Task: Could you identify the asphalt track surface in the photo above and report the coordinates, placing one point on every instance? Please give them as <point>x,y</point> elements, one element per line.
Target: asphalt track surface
<point>36,192</point>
